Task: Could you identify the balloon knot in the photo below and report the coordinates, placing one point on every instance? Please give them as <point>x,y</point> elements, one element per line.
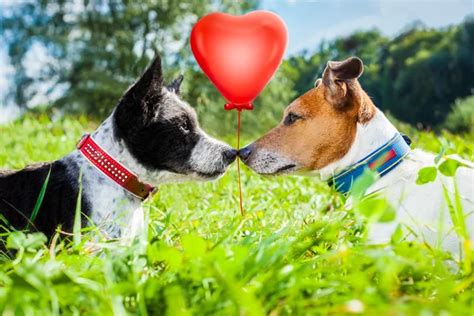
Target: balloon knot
<point>238,107</point>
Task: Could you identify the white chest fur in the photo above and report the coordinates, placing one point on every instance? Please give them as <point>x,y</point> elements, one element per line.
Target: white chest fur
<point>422,209</point>
<point>114,211</point>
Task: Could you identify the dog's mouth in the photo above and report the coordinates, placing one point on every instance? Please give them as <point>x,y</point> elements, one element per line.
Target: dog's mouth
<point>282,170</point>
<point>286,168</point>
<point>194,174</point>
<point>210,175</point>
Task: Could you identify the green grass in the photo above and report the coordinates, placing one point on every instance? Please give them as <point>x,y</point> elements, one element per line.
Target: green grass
<point>296,251</point>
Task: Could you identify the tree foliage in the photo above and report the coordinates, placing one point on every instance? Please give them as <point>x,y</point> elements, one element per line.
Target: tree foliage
<point>97,48</point>
<point>416,76</point>
<point>461,118</point>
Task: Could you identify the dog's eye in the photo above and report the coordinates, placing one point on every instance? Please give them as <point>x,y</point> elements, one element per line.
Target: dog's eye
<point>291,118</point>
<point>185,126</point>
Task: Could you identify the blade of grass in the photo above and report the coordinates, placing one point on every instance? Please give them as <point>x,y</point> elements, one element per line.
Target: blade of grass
<point>463,229</point>
<point>77,217</point>
<point>459,211</point>
<point>457,216</point>
<point>39,201</point>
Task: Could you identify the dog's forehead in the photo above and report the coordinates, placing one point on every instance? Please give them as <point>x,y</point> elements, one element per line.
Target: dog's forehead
<point>299,106</point>
<point>173,107</point>
<point>308,103</point>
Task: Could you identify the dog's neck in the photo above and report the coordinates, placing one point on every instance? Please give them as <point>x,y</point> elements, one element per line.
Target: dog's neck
<point>115,211</point>
<point>105,136</point>
<point>113,208</point>
<point>369,136</point>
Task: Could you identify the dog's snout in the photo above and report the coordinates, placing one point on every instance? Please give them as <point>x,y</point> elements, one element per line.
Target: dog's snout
<point>230,155</point>
<point>245,152</point>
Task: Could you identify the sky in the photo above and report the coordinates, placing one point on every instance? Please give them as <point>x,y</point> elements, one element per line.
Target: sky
<point>311,21</point>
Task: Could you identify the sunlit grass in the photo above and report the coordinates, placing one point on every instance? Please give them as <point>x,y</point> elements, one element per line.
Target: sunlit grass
<point>296,251</point>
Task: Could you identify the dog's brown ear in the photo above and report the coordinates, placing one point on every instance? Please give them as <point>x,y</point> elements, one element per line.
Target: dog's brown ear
<point>349,69</point>
<point>318,82</point>
<point>344,91</point>
<point>339,77</point>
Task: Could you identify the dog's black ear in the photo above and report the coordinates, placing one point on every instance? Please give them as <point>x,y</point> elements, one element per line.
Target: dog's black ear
<point>175,85</point>
<point>147,91</point>
<point>341,76</point>
<point>141,101</point>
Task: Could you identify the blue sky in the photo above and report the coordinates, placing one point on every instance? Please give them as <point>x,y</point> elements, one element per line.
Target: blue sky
<point>310,22</point>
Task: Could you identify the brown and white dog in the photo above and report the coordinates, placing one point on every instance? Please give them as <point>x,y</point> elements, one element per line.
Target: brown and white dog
<point>334,128</point>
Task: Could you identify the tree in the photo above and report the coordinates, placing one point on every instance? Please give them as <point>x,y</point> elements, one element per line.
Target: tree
<point>424,70</point>
<point>416,76</point>
<point>461,118</point>
<point>366,45</point>
<point>97,47</point>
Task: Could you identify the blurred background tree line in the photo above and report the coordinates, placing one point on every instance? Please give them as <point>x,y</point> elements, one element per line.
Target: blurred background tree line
<point>97,48</point>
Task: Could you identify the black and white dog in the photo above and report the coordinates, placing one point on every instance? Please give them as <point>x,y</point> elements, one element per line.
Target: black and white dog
<point>152,136</point>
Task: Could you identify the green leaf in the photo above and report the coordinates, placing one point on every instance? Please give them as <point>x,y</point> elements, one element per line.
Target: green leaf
<point>376,208</point>
<point>18,240</point>
<point>194,245</point>
<point>440,155</point>
<point>363,183</point>
<point>176,301</point>
<point>426,175</point>
<point>449,167</point>
<point>39,201</point>
<point>160,252</point>
<point>397,235</point>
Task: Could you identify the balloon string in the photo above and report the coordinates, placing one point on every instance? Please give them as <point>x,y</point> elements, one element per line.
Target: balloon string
<point>238,165</point>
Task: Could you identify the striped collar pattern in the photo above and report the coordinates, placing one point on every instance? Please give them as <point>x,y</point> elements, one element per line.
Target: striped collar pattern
<point>382,160</point>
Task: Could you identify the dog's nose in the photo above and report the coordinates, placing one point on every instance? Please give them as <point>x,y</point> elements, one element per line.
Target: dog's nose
<point>245,152</point>
<point>230,155</point>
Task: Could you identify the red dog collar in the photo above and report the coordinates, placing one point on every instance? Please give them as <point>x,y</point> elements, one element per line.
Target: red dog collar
<point>112,168</point>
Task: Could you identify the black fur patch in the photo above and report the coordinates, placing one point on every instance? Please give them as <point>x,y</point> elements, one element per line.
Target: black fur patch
<point>156,142</point>
<point>175,85</point>
<point>19,192</point>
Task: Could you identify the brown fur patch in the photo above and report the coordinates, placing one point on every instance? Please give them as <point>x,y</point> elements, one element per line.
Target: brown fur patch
<point>330,113</point>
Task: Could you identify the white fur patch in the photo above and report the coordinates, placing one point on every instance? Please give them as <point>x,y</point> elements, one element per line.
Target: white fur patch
<point>207,155</point>
<point>369,137</point>
<point>269,162</point>
<point>421,209</point>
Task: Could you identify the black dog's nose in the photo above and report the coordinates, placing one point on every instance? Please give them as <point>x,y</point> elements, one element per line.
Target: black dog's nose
<point>245,152</point>
<point>230,155</point>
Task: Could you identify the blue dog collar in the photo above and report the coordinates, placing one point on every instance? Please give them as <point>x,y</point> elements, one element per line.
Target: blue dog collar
<point>382,161</point>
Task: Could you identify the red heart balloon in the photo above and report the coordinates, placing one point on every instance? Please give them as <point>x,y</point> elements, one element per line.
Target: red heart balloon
<point>239,54</point>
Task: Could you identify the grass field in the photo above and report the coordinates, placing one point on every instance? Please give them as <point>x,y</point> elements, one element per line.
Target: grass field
<point>296,251</point>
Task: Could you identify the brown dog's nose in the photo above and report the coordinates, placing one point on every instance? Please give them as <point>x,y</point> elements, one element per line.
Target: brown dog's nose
<point>245,152</point>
